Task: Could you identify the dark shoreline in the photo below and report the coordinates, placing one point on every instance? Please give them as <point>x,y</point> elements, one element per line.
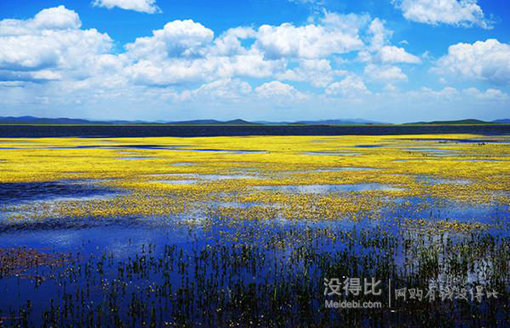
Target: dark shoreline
<point>91,131</point>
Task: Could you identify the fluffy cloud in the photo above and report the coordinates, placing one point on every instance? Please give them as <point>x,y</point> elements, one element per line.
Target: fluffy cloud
<point>144,6</point>
<point>223,89</point>
<point>489,94</point>
<point>393,54</point>
<point>380,35</point>
<point>58,18</point>
<point>317,72</point>
<point>447,94</point>
<point>350,87</point>
<point>278,90</point>
<point>385,73</point>
<point>49,46</point>
<point>176,39</point>
<point>483,60</point>
<point>188,52</point>
<point>453,12</point>
<point>229,43</point>
<point>49,61</point>
<point>451,94</point>
<point>379,48</point>
<point>334,34</point>
<point>184,71</point>
<point>51,19</point>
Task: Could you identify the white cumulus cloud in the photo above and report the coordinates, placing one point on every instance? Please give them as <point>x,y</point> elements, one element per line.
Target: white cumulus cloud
<point>58,18</point>
<point>187,52</point>
<point>452,12</point>
<point>385,73</point>
<point>144,6</point>
<point>49,61</point>
<point>225,89</point>
<point>180,38</point>
<point>318,72</point>
<point>333,34</point>
<point>490,94</point>
<point>393,54</point>
<point>278,90</point>
<point>52,19</point>
<point>350,87</point>
<point>380,35</point>
<point>483,60</point>
<point>49,46</point>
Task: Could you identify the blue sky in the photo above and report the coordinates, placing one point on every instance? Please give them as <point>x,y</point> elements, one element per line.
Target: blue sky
<point>385,60</point>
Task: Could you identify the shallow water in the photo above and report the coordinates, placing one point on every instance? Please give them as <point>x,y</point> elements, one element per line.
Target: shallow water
<point>324,189</point>
<point>210,266</point>
<point>137,158</point>
<point>335,169</point>
<point>125,261</point>
<point>429,149</point>
<point>233,151</point>
<point>432,180</point>
<point>177,181</point>
<point>210,177</point>
<point>330,153</point>
<point>368,146</point>
<point>15,193</point>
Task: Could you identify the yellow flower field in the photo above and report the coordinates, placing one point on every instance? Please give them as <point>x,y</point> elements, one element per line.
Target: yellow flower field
<point>332,177</point>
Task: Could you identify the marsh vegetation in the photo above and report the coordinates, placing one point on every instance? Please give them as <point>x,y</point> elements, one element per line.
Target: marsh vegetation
<point>243,231</point>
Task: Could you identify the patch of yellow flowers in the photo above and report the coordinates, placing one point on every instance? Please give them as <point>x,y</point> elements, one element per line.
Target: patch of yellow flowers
<point>229,176</point>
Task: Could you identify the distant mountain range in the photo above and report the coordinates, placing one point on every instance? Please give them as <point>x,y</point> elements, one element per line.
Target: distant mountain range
<point>467,121</point>
<point>61,120</point>
<point>323,122</point>
<point>73,121</point>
